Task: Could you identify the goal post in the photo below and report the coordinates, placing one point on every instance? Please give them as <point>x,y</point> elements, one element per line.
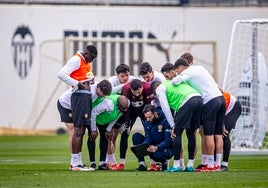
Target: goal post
<point>246,78</point>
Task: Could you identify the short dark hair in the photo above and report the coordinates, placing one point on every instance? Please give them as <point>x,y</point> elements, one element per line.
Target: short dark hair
<point>93,52</point>
<point>105,86</point>
<point>149,108</point>
<point>154,85</point>
<point>145,68</point>
<point>135,84</point>
<point>167,67</point>
<point>189,57</point>
<point>122,68</point>
<point>181,61</point>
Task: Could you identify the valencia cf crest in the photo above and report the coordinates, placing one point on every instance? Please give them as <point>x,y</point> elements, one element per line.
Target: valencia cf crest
<point>160,128</point>
<point>22,49</point>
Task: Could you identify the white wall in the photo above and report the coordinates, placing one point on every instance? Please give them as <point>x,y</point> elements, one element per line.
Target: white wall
<point>22,99</point>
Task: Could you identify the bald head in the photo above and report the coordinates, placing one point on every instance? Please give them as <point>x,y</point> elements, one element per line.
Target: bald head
<point>122,103</point>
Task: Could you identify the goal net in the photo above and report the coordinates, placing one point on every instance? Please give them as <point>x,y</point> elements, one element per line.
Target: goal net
<point>246,78</point>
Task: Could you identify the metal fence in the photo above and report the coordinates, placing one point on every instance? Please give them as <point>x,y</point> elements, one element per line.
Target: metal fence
<point>186,3</point>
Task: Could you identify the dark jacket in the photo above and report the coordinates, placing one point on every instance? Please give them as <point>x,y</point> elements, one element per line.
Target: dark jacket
<point>158,133</point>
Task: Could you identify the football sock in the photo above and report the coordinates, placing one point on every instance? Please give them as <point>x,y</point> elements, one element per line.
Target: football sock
<point>176,163</point>
<point>210,161</point>
<point>204,160</point>
<point>75,159</point>
<point>143,163</point>
<point>190,163</point>
<point>112,159</point>
<point>107,159</point>
<point>224,163</point>
<point>218,159</point>
<point>152,161</point>
<point>80,158</point>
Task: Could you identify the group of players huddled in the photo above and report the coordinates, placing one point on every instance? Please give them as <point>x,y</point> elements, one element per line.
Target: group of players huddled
<point>183,97</point>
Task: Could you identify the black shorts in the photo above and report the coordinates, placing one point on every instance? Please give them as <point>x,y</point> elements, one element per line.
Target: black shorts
<point>189,114</point>
<point>81,107</point>
<point>133,115</point>
<point>231,118</point>
<point>66,115</point>
<point>120,122</point>
<point>213,116</point>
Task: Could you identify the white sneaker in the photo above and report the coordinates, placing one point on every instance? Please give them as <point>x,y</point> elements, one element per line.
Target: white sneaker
<point>91,169</point>
<point>81,168</point>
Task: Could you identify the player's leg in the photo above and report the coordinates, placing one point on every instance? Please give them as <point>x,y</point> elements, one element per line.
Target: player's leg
<point>229,124</point>
<point>177,148</point>
<point>194,113</point>
<point>115,136</point>
<point>91,145</point>
<point>204,155</point>
<point>190,133</point>
<point>219,132</point>
<point>81,109</point>
<point>209,114</point>
<point>66,117</point>
<point>226,150</point>
<point>110,156</point>
<point>103,146</point>
<point>124,141</point>
<point>123,149</point>
<point>70,130</point>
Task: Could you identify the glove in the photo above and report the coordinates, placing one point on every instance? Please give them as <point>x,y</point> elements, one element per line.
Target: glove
<point>125,127</point>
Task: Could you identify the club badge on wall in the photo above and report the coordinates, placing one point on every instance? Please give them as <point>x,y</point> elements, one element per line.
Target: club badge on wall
<point>22,45</point>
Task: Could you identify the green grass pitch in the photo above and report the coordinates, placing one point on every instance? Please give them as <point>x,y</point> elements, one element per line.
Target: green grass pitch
<point>42,161</point>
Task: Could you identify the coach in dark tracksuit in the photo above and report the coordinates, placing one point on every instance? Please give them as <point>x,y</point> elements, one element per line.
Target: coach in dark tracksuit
<point>157,135</point>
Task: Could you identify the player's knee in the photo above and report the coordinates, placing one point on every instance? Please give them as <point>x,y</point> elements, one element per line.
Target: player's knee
<point>78,132</point>
<point>137,138</point>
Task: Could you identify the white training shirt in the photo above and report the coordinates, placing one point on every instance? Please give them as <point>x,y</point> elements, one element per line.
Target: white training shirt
<point>157,77</point>
<point>106,105</point>
<point>116,85</point>
<point>200,79</point>
<point>65,98</point>
<point>72,65</point>
<point>161,94</point>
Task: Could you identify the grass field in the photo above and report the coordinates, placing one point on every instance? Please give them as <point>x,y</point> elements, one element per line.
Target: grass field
<point>42,161</point>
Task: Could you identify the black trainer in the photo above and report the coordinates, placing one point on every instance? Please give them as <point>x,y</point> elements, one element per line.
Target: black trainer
<point>141,168</point>
<point>200,167</point>
<point>93,165</point>
<point>103,167</point>
<point>224,168</point>
<point>164,165</point>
